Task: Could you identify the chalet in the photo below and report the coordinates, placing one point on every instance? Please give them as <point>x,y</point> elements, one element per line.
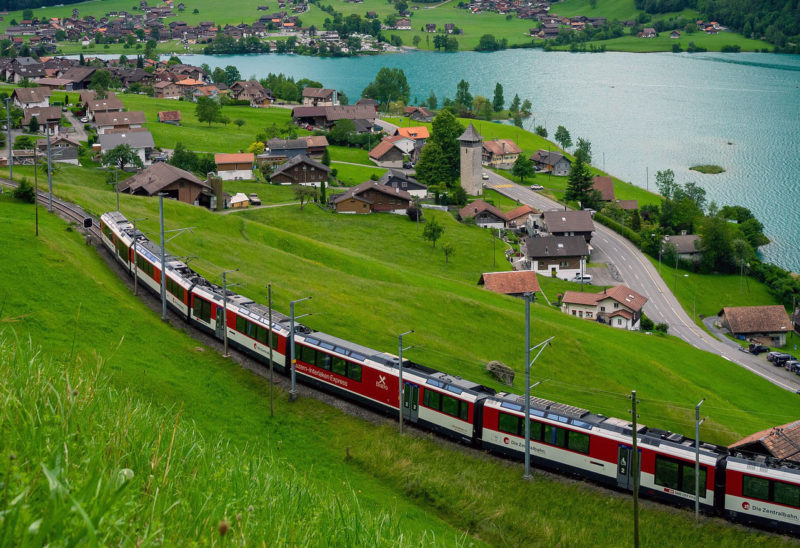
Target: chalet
<point>768,324</point>
<point>419,114</point>
<point>47,117</point>
<point>240,201</point>
<point>500,152</point>
<point>486,215</point>
<point>79,77</point>
<point>140,141</point>
<point>302,170</point>
<point>170,117</point>
<point>605,186</point>
<point>449,28</point>
<point>105,121</point>
<point>370,196</point>
<point>231,167</point>
<point>167,90</point>
<point>320,97</point>
<point>627,205</point>
<point>366,101</point>
<point>515,283</point>
<point>388,153</point>
<point>174,182</point>
<point>557,256</point>
<point>779,442</point>
<point>403,24</point>
<point>551,162</point>
<point>31,97</point>
<point>402,181</point>
<point>325,117</point>
<point>316,145</point>
<point>619,307</point>
<point>687,246</point>
<point>109,104</point>
<point>519,217</point>
<point>648,32</point>
<point>567,223</point>
<point>62,149</point>
<point>53,83</point>
<point>418,133</point>
<point>285,149</point>
<point>675,34</point>
<point>252,91</point>
<point>430,27</point>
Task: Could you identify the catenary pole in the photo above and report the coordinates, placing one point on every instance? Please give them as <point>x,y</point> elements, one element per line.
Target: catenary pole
<point>635,469</point>
<point>528,387</point>
<point>400,388</point>
<point>225,309</point>
<point>36,189</point>
<point>271,367</point>
<point>293,389</point>
<point>8,128</point>
<point>163,258</point>
<point>135,264</point>
<point>49,169</point>
<point>697,423</point>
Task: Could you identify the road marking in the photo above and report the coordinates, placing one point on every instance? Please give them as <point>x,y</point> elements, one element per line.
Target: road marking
<point>502,186</point>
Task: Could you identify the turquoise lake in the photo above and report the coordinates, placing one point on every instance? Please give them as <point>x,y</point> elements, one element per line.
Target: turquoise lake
<point>642,113</point>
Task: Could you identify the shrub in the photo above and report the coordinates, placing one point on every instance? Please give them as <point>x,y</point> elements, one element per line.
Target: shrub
<point>662,328</point>
<point>24,192</point>
<point>618,228</point>
<point>646,324</point>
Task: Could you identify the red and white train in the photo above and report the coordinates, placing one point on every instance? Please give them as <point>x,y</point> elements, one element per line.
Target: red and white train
<point>746,488</point>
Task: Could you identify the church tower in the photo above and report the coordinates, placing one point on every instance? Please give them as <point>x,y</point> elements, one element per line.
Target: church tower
<point>471,154</point>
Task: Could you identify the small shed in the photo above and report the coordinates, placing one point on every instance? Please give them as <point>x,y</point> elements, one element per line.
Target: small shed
<point>515,283</point>
<point>240,201</point>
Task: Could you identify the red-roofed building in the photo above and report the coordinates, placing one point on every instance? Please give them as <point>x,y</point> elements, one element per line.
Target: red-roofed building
<point>619,307</point>
<point>391,151</point>
<point>780,442</point>
<point>231,167</point>
<point>515,282</point>
<point>500,152</point>
<point>417,133</point>
<point>485,215</point>
<point>767,323</point>
<point>519,217</point>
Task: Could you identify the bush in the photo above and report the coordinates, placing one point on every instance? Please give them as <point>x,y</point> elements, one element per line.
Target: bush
<point>662,328</point>
<point>646,324</point>
<point>24,192</point>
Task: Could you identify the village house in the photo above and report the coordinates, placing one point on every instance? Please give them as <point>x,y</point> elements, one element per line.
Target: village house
<point>231,167</point>
<point>418,134</point>
<point>320,97</point>
<point>280,150</point>
<point>500,152</point>
<point>62,149</point>
<point>567,223</point>
<point>78,77</point>
<point>687,246</point>
<point>239,201</point>
<point>301,170</point>
<point>561,257</point>
<point>552,162</point>
<point>605,186</point>
<point>109,104</point>
<point>403,24</point>
<point>419,114</point>
<point>140,141</point>
<point>648,32</point>
<point>520,217</point>
<point>252,91</point>
<point>316,145</point>
<point>486,215</point>
<point>403,181</point>
<point>31,97</point>
<point>371,197</point>
<point>391,151</point>
<point>47,117</point>
<point>167,89</point>
<point>174,182</point>
<point>675,34</point>
<point>765,324</point>
<point>106,121</point>
<point>619,307</point>
<point>363,116</point>
<point>515,283</point>
<point>170,117</point>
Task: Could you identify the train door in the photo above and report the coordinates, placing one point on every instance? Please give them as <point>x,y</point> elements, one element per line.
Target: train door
<point>625,465</point>
<point>410,401</point>
<point>220,323</point>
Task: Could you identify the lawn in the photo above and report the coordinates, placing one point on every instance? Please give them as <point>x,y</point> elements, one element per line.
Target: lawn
<point>349,154</point>
<point>350,175</point>
<point>663,42</point>
<point>267,193</point>
<point>175,410</point>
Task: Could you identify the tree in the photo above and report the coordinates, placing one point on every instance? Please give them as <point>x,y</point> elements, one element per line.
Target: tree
<point>326,157</point>
<point>482,107</point>
<point>584,149</point>
<point>527,107</point>
<point>523,167</point>
<point>498,102</point>
<point>24,192</point>
<point>232,75</point>
<point>150,49</point>
<point>449,249</point>
<point>219,76</point>
<point>579,183</point>
<point>27,14</point>
<point>450,44</point>
<point>100,82</point>
<point>665,183</point>
<point>121,156</point>
<point>563,138</point>
<point>636,221</point>
<point>342,130</point>
<point>182,158</point>
<point>239,122</point>
<point>323,192</point>
<point>716,237</point>
<point>432,165</point>
<point>463,98</point>
<point>514,104</point>
<point>517,119</point>
<point>304,193</point>
<point>390,84</point>
<point>208,110</point>
<point>433,103</point>
<point>488,42</point>
<point>33,125</point>
<point>432,231</point>
<point>541,131</point>
<point>441,164</point>
<point>416,40</point>
<point>256,147</point>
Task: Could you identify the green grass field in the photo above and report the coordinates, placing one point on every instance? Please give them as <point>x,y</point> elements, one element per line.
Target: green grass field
<point>350,175</point>
<point>663,42</point>
<point>174,409</point>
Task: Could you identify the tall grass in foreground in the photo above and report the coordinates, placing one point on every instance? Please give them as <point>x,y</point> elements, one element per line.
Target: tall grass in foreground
<point>83,463</point>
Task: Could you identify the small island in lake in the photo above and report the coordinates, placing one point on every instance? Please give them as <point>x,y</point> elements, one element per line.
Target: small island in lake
<point>708,169</point>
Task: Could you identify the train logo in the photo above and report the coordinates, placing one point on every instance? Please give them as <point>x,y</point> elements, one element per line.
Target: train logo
<point>746,505</point>
<point>382,382</point>
<point>506,440</point>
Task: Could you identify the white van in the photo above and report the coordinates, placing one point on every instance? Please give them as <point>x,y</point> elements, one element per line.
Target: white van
<point>587,278</point>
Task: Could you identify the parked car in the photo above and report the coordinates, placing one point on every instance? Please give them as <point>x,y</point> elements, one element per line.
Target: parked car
<point>758,348</point>
<point>779,358</point>
<point>772,355</point>
<point>254,199</point>
<point>587,278</point>
<point>793,366</point>
<point>485,176</point>
<point>85,120</point>
<point>537,187</point>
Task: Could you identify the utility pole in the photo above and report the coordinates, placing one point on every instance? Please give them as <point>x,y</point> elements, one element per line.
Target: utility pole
<point>401,390</point>
<point>225,309</point>
<point>8,129</point>
<point>528,363</point>
<point>635,470</point>
<point>135,264</point>
<point>36,189</point>
<point>116,185</point>
<point>49,169</point>
<point>494,253</point>
<point>293,390</point>
<point>271,400</point>
<point>178,232</point>
<point>647,178</point>
<point>697,423</point>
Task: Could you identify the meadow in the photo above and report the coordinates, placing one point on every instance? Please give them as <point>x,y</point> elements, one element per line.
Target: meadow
<point>154,407</point>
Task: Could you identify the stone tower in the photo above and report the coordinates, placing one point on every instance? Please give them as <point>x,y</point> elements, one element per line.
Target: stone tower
<point>471,154</point>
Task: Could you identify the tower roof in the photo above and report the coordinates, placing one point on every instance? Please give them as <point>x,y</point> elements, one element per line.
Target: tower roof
<point>471,135</point>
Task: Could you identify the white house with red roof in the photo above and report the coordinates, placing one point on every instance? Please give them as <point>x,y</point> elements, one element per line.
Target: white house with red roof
<point>619,307</point>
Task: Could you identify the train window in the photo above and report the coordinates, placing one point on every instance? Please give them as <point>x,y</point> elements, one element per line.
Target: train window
<point>323,361</point>
<point>241,325</point>
<point>536,430</point>
<point>555,435</point>
<point>757,488</point>
<point>274,340</point>
<point>107,232</point>
<point>463,410</point>
<point>578,442</point>
<point>450,405</point>
<point>433,399</point>
<point>305,354</point>
<point>783,493</point>
<point>261,334</point>
<point>354,372</point>
<point>339,366</point>
<point>509,424</point>
<point>667,472</point>
<point>202,309</point>
<point>174,288</point>
<point>687,478</point>
<point>144,266</point>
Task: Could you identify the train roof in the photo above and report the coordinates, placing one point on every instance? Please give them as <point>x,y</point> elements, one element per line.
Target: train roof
<point>765,461</point>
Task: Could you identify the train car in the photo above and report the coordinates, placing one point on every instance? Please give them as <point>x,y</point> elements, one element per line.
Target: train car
<point>763,491</point>
<point>575,441</point>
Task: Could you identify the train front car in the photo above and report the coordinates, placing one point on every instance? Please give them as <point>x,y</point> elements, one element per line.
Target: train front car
<point>763,491</point>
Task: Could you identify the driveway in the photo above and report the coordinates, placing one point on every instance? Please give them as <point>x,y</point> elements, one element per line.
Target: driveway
<point>80,133</point>
<point>638,273</point>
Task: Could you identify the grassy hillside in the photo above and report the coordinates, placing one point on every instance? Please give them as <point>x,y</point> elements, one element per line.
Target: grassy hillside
<point>374,277</point>
<point>175,410</point>
<point>663,42</point>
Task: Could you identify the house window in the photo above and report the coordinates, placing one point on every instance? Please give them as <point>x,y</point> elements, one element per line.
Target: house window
<point>573,312</point>
<point>619,322</point>
<point>588,314</point>
<point>616,305</point>
<point>602,309</point>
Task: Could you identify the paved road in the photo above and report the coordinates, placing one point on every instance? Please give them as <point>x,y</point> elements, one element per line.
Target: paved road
<point>80,133</point>
<point>639,274</point>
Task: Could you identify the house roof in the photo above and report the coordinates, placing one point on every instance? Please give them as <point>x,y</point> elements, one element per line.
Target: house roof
<point>169,116</point>
<point>163,84</point>
<point>300,159</point>
<point>136,139</point>
<point>31,95</point>
<point>520,212</point>
<point>119,118</point>
<point>317,93</point>
<point>568,221</point>
<point>78,74</point>
<point>685,243</point>
<point>109,103</point>
<point>479,206</point>
<point>239,158</point>
<point>395,178</point>
<point>549,157</point>
<point>54,139</point>
<point>781,442</point>
<point>757,319</point>
<point>239,197</point>
<point>382,148</point>
<point>621,293</point>
<point>501,146</point>
<point>355,191</point>
<point>628,205</point>
<point>41,114</point>
<point>557,246</point>
<point>315,140</point>
<point>339,112</point>
<point>417,132</point>
<point>190,82</point>
<point>471,135</point>
<point>606,187</point>
<point>53,82</point>
<point>158,176</point>
<point>287,144</point>
<point>510,283</point>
